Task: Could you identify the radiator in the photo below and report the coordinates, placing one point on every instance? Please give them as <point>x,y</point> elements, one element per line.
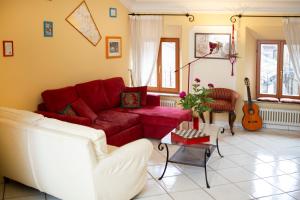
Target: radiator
<point>168,103</point>
<point>280,117</point>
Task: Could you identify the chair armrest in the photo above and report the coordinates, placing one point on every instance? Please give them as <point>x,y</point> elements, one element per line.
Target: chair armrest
<point>123,173</point>
<point>153,100</point>
<point>234,98</point>
<point>72,119</point>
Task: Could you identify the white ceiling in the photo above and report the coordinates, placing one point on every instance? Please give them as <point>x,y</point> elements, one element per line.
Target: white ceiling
<point>215,6</point>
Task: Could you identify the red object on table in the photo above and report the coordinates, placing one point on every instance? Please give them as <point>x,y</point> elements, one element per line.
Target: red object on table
<point>196,123</point>
<point>178,138</point>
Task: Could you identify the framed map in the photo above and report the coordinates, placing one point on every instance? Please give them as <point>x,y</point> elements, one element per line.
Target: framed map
<point>202,45</point>
<point>82,20</point>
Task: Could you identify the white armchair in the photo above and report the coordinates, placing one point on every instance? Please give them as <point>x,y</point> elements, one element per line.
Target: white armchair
<point>69,161</point>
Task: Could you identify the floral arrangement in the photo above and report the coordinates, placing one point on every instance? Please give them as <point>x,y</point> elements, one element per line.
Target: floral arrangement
<point>197,100</point>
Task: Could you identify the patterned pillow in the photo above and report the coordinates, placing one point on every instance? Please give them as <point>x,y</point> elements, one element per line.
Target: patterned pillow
<point>68,110</point>
<point>130,99</point>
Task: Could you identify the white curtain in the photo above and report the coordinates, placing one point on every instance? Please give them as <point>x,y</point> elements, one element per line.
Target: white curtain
<point>145,35</point>
<point>291,29</point>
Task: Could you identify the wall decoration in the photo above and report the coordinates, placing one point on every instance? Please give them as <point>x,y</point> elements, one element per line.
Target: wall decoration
<point>113,12</point>
<point>202,45</point>
<point>8,48</point>
<point>48,29</point>
<point>82,20</point>
<point>113,47</point>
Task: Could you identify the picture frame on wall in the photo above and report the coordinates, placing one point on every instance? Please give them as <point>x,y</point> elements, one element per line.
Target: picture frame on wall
<point>113,12</point>
<point>8,48</point>
<point>113,47</point>
<point>202,45</point>
<point>48,29</point>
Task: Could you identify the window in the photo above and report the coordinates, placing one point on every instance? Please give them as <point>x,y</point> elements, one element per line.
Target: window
<point>275,74</point>
<point>164,78</point>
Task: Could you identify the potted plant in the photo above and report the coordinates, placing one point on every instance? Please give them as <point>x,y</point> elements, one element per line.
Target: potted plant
<point>196,101</point>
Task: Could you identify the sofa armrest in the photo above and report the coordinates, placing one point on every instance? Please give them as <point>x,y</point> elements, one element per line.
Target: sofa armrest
<point>72,119</point>
<point>125,169</point>
<point>153,100</point>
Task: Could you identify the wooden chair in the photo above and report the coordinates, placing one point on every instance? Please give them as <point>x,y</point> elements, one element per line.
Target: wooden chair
<point>224,101</point>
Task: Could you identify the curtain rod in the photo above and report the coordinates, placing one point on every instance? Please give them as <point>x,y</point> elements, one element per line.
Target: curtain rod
<point>191,17</point>
<point>233,17</point>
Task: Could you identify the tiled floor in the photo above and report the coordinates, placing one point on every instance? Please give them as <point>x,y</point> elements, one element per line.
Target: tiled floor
<point>261,165</point>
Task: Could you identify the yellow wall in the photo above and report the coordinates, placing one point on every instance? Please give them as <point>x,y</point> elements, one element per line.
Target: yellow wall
<point>249,30</point>
<point>67,58</point>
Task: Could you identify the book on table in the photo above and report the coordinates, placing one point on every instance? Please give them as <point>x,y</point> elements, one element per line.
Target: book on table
<point>189,136</point>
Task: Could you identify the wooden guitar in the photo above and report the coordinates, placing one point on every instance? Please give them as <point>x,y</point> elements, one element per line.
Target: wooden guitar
<point>251,120</point>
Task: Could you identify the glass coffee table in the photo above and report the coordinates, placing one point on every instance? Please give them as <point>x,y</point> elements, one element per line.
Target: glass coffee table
<point>192,154</point>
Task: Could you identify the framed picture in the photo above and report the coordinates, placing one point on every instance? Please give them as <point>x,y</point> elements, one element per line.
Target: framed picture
<point>82,20</point>
<point>113,47</point>
<point>8,48</point>
<point>113,12</point>
<point>48,29</point>
<point>202,45</point>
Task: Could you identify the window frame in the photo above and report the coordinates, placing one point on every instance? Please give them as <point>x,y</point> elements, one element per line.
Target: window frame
<point>280,44</point>
<point>159,87</point>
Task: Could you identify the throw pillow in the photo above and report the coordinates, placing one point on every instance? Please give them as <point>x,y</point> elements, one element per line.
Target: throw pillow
<point>142,90</point>
<point>130,100</point>
<point>68,111</point>
<point>83,110</point>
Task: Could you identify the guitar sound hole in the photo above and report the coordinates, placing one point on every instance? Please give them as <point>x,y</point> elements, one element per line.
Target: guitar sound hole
<point>251,111</point>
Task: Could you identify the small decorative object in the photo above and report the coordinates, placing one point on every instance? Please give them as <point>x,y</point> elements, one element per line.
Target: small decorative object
<point>82,20</point>
<point>196,101</point>
<point>223,47</point>
<point>48,29</point>
<point>190,136</point>
<point>113,47</point>
<point>8,48</point>
<point>113,12</point>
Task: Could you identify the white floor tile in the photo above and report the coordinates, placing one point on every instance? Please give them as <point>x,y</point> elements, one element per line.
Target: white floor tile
<point>287,166</point>
<point>191,195</point>
<point>49,197</point>
<point>14,190</point>
<point>151,188</point>
<point>157,170</point>
<point>296,160</point>
<point>295,194</point>
<point>258,188</point>
<point>36,197</point>
<point>220,163</point>
<point>244,159</point>
<point>188,169</point>
<point>177,183</point>
<point>213,177</point>
<point>278,197</point>
<point>228,192</point>
<point>264,170</point>
<point>285,183</point>
<point>237,174</point>
<point>295,175</point>
<point>156,158</point>
<point>158,197</point>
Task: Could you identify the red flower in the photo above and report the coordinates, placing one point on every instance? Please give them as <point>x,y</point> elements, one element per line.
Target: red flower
<point>182,94</point>
<point>210,85</point>
<point>197,80</point>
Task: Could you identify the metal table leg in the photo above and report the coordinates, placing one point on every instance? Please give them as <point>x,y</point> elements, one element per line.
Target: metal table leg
<point>161,148</point>
<point>206,155</point>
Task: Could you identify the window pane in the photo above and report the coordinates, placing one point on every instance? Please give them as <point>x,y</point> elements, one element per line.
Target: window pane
<point>268,69</point>
<point>168,60</point>
<point>290,85</point>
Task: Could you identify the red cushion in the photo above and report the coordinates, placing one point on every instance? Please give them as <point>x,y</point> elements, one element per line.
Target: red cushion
<point>72,119</point>
<point>122,119</point>
<point>83,110</point>
<point>93,94</point>
<point>221,105</point>
<point>56,100</point>
<point>142,90</point>
<point>108,127</point>
<point>113,88</point>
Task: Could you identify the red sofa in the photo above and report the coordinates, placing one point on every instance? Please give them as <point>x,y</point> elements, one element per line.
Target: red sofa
<point>121,125</point>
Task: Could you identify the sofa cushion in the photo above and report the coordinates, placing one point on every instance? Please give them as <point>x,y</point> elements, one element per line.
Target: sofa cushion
<point>83,110</point>
<point>124,120</point>
<point>161,116</point>
<point>68,110</point>
<point>109,128</point>
<point>113,88</point>
<point>93,93</point>
<point>142,90</point>
<point>130,99</point>
<point>56,100</point>
<point>221,105</point>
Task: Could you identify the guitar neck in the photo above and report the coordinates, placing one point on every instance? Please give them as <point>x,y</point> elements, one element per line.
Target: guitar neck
<point>249,96</point>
